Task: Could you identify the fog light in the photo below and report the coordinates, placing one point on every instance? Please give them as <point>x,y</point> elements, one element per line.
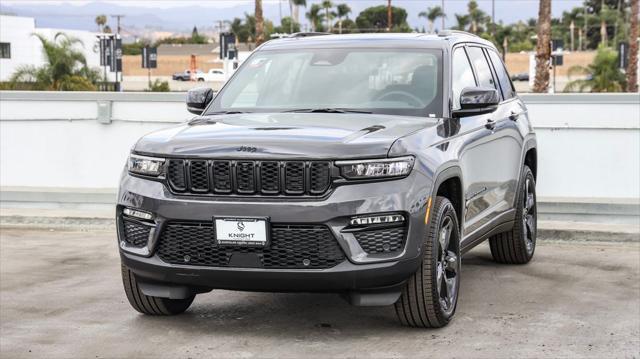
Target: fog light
<point>384,219</point>
<point>138,214</point>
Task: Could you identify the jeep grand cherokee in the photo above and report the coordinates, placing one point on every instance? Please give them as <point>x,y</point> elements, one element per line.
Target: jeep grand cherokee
<point>364,165</point>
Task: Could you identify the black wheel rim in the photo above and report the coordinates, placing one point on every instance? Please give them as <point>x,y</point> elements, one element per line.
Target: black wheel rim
<point>529,220</point>
<point>448,266</point>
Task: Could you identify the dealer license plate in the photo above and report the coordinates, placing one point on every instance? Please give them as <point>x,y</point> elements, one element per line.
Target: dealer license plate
<point>247,232</point>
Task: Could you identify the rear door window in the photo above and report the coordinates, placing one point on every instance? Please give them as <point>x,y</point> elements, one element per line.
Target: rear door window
<point>503,77</point>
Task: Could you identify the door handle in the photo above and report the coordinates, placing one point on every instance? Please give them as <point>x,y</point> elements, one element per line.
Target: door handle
<point>491,124</point>
<point>514,116</point>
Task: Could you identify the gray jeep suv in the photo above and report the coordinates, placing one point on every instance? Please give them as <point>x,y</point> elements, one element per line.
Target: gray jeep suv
<point>365,165</point>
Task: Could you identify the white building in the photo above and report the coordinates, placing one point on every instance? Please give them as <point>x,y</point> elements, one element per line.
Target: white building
<point>19,47</point>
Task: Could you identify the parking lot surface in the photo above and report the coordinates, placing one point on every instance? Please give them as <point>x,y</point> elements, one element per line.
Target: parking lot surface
<point>61,297</point>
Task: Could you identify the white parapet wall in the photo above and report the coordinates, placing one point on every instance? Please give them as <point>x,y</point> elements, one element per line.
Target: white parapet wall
<point>58,146</point>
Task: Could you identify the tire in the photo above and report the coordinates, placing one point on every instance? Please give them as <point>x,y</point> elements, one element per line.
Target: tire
<point>151,305</point>
<point>518,245</point>
<point>201,80</point>
<point>421,304</point>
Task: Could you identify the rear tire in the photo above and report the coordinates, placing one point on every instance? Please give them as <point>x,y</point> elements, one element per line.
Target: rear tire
<point>430,296</point>
<point>518,245</point>
<point>151,305</point>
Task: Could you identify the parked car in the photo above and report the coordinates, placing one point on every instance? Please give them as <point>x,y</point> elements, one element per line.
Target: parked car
<point>523,76</point>
<point>213,75</point>
<point>363,164</point>
<point>185,75</point>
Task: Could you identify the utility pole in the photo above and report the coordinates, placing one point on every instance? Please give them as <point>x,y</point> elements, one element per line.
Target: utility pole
<point>389,18</point>
<point>118,23</point>
<point>115,38</point>
<point>442,18</point>
<point>493,16</point>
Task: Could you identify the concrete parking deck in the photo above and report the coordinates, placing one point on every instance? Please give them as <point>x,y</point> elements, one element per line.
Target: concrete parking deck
<point>61,297</point>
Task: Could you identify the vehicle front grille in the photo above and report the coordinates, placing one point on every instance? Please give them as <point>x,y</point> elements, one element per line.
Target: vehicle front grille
<point>291,247</point>
<point>226,177</point>
<point>386,240</point>
<point>135,234</point>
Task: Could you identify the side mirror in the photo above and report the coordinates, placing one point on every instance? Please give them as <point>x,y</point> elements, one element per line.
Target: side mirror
<point>477,101</point>
<point>198,99</point>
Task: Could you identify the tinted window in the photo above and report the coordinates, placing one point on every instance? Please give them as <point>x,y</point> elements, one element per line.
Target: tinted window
<point>462,75</point>
<point>483,71</point>
<point>503,76</point>
<point>5,50</point>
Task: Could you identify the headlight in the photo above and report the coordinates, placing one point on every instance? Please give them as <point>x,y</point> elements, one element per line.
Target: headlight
<point>143,165</point>
<point>363,169</point>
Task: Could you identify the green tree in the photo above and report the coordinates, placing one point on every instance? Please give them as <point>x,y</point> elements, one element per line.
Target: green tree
<point>478,17</point>
<point>287,25</point>
<point>602,75</point>
<point>328,15</point>
<point>196,38</point>
<point>374,19</point>
<point>159,86</point>
<point>315,16</point>
<point>101,20</point>
<point>432,14</point>
<point>632,69</point>
<point>65,67</point>
<point>343,11</point>
<point>463,22</point>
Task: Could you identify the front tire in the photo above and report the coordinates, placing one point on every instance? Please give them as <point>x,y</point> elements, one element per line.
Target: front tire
<point>151,305</point>
<point>518,245</point>
<point>430,296</point>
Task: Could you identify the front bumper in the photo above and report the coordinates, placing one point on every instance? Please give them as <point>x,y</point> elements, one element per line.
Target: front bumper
<point>360,270</point>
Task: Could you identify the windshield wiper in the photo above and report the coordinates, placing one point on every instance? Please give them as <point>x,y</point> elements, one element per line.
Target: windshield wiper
<point>328,110</point>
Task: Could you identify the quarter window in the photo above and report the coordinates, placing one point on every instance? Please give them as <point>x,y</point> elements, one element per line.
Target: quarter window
<point>503,77</point>
<point>480,64</point>
<point>5,50</point>
<point>462,75</point>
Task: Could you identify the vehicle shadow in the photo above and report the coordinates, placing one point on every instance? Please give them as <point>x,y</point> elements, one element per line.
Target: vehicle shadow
<point>292,315</point>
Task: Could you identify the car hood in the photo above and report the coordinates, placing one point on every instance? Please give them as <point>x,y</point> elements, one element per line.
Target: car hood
<point>283,135</point>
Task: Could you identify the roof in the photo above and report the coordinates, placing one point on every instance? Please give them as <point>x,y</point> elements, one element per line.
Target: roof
<point>401,40</point>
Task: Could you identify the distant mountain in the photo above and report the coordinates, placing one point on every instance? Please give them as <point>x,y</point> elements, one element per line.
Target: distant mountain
<point>59,14</point>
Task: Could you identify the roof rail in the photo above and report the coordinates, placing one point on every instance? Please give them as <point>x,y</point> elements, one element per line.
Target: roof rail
<point>309,34</point>
<point>445,33</point>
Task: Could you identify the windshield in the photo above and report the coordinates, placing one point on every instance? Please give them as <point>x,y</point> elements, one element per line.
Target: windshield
<point>387,81</point>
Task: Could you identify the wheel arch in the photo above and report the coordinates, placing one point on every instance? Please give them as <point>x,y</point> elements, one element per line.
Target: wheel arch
<point>448,183</point>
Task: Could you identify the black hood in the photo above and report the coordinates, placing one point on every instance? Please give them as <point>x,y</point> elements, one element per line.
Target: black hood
<point>283,135</point>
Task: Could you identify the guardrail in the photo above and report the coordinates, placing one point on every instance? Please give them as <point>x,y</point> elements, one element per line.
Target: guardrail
<point>589,144</point>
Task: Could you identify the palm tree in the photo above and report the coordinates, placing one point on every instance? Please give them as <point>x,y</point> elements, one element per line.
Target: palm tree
<point>603,74</point>
<point>327,5</point>
<point>101,20</point>
<point>314,16</point>
<point>432,14</point>
<point>259,22</point>
<point>293,11</point>
<point>632,69</point>
<point>543,47</point>
<point>476,16</point>
<point>65,67</point>
<point>343,11</point>
<point>463,22</point>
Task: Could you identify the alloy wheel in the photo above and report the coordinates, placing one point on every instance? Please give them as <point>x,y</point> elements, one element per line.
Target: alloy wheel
<point>448,266</point>
<point>529,215</point>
